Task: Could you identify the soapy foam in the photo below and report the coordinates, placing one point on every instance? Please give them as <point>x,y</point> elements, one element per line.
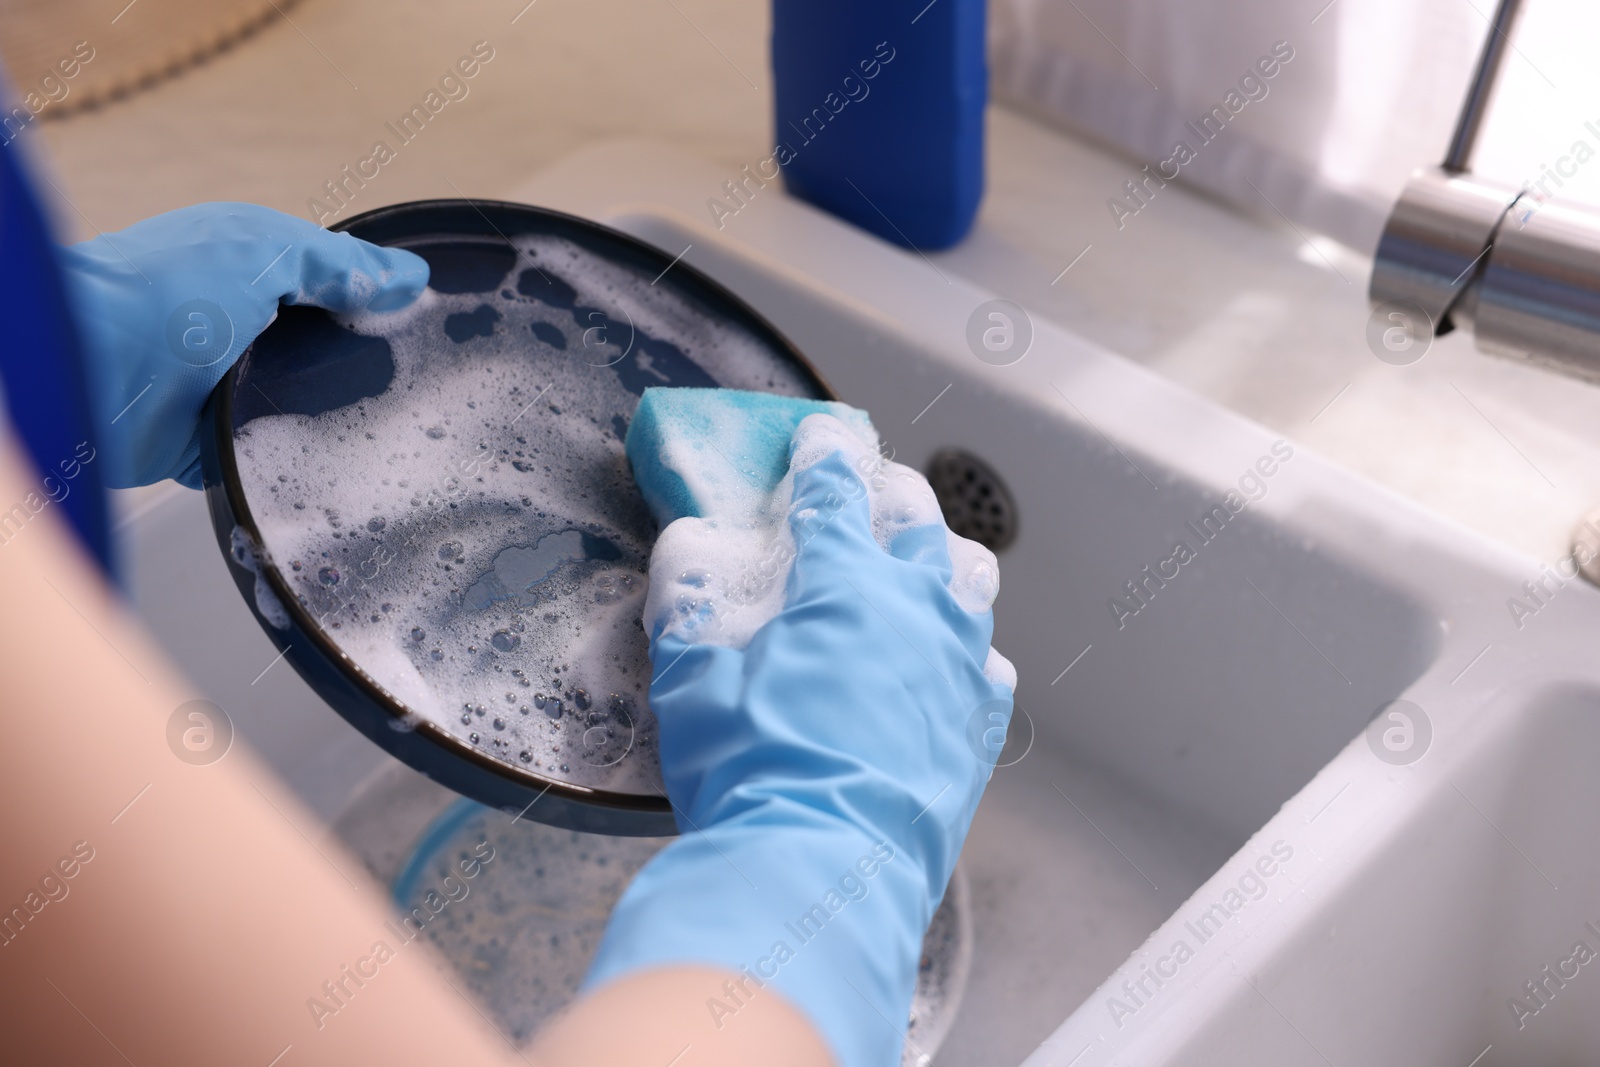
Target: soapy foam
<point>718,579</point>
<point>472,538</point>
<point>526,934</point>
<point>247,554</point>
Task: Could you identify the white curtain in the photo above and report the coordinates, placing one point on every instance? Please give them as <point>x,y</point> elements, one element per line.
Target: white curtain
<point>1370,94</point>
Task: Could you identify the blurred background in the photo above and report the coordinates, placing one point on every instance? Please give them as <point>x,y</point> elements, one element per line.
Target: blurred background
<point>1244,280</point>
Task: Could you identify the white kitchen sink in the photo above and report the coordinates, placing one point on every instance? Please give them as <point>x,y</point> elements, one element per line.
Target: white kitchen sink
<point>1197,772</point>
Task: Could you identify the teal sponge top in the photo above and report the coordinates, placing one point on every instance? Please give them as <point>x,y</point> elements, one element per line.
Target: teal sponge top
<point>719,453</point>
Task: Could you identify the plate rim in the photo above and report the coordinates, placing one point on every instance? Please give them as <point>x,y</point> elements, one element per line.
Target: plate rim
<point>420,743</point>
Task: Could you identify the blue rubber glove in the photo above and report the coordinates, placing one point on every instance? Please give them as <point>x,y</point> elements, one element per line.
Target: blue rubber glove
<point>167,305</point>
<point>824,776</point>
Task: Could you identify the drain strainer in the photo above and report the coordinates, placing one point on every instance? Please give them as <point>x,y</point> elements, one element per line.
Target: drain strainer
<point>976,503</point>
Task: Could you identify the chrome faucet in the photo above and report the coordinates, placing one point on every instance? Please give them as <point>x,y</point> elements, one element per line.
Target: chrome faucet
<point>1464,251</point>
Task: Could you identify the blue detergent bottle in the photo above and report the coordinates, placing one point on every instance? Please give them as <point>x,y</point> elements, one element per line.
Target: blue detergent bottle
<point>880,112</point>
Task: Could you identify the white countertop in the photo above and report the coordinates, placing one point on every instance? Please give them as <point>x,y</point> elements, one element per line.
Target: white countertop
<point>1241,310</point>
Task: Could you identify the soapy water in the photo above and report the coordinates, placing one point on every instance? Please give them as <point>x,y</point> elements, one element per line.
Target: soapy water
<point>463,525</point>
<point>748,532</point>
<point>523,936</point>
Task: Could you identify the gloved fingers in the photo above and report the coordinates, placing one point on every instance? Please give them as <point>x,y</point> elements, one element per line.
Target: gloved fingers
<point>968,571</point>
<point>927,545</point>
<point>695,692</point>
<point>904,501</point>
<point>343,273</point>
<point>830,505</point>
<point>168,304</point>
<point>988,730</point>
<point>907,511</point>
<point>677,662</point>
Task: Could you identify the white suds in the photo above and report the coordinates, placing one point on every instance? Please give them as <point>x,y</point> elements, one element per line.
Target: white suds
<point>472,537</point>
<point>719,579</point>
<point>248,555</point>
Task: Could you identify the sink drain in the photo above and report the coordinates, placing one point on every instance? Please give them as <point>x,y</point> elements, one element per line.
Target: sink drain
<point>976,503</point>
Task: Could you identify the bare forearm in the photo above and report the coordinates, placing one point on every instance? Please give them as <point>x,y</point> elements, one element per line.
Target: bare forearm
<point>198,920</point>
<point>180,914</point>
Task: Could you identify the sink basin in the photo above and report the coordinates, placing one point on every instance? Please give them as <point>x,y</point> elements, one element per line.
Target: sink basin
<point>1197,849</point>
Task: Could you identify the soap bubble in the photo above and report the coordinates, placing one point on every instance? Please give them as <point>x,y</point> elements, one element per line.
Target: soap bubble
<point>491,474</point>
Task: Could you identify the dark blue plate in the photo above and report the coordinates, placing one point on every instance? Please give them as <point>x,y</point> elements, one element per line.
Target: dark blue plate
<point>482,628</point>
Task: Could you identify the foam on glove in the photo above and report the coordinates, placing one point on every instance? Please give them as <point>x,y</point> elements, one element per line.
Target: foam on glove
<point>167,305</point>
<point>720,461</point>
<point>821,645</point>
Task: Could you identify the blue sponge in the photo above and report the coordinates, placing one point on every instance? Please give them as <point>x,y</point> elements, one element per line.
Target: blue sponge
<point>719,453</point>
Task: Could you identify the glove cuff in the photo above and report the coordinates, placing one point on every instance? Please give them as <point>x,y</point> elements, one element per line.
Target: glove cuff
<point>819,913</point>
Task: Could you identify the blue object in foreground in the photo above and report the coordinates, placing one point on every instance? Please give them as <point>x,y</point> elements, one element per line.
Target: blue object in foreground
<point>822,773</point>
<point>42,373</point>
<point>168,304</point>
<point>880,112</point>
